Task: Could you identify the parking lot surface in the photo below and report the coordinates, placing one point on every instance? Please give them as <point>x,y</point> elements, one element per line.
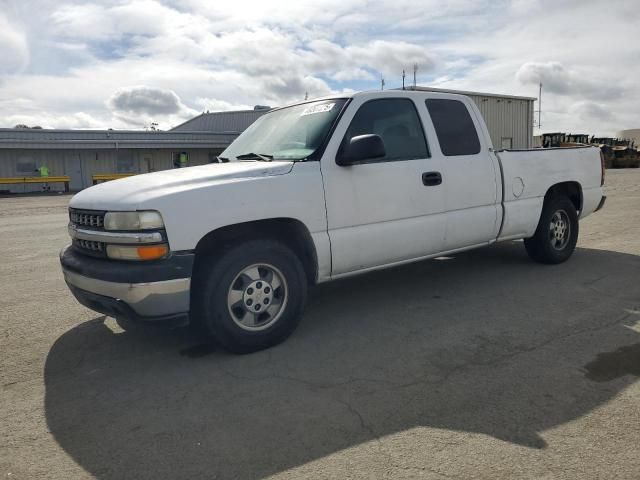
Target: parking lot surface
<point>480,365</point>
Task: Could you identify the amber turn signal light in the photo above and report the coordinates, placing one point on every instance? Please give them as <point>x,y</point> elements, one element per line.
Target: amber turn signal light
<point>152,252</point>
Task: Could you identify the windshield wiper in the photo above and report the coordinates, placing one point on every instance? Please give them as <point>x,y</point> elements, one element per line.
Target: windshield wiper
<point>262,157</point>
<point>222,160</point>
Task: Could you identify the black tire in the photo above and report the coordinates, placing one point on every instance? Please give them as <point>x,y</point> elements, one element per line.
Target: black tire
<point>545,246</point>
<point>212,313</point>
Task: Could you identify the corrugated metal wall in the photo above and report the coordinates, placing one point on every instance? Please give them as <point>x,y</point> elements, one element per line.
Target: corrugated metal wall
<point>507,118</point>
<point>80,165</point>
<point>9,160</point>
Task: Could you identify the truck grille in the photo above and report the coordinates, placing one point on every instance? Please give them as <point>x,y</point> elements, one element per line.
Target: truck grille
<point>86,218</point>
<point>90,247</point>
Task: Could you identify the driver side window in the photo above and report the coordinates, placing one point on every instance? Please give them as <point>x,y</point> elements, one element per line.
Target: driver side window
<point>396,121</point>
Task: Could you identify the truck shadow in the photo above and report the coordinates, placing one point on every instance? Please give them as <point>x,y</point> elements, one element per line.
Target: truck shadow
<point>485,342</point>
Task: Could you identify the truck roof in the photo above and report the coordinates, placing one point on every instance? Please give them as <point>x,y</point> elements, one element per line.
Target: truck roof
<point>412,91</point>
<point>392,92</point>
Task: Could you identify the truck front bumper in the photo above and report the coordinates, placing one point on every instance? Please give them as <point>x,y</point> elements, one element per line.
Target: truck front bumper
<point>153,292</point>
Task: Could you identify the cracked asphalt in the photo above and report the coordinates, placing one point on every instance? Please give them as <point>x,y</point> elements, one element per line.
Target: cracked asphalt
<point>482,365</point>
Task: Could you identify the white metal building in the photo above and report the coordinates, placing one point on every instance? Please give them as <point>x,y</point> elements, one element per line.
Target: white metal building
<point>80,154</point>
<point>509,118</point>
<point>632,134</point>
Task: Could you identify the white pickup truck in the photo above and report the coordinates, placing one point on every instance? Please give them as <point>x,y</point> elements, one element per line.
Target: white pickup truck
<point>314,192</point>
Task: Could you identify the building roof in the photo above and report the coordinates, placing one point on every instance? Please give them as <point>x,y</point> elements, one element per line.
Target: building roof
<point>108,139</point>
<point>223,122</point>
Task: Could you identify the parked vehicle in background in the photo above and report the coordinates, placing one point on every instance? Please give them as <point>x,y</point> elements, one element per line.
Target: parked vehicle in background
<point>315,192</point>
<point>557,140</point>
<point>616,152</point>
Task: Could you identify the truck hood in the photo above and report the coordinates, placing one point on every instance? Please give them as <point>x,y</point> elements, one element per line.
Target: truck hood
<point>132,193</point>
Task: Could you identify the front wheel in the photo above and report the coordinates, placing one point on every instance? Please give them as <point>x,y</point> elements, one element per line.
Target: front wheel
<point>252,297</point>
<point>557,233</point>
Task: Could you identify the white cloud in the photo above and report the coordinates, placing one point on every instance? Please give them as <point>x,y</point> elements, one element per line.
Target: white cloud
<point>215,105</point>
<point>552,74</point>
<point>86,22</point>
<point>557,79</point>
<point>93,21</point>
<point>142,99</point>
<point>14,47</point>
<point>558,42</point>
<point>352,74</point>
<point>47,120</point>
<point>588,111</point>
<point>141,105</point>
<point>74,56</point>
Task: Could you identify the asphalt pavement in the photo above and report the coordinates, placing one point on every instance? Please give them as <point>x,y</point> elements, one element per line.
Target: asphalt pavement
<point>479,365</point>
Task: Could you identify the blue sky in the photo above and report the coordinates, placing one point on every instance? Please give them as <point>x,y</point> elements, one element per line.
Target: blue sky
<point>127,63</point>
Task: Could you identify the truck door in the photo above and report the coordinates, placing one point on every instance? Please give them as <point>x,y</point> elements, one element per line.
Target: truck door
<point>388,209</point>
<point>470,176</point>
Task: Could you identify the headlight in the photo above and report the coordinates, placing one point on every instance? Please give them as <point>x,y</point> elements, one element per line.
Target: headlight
<point>145,220</point>
<point>147,252</point>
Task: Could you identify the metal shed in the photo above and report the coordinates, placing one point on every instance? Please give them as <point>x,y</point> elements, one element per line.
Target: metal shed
<point>509,118</point>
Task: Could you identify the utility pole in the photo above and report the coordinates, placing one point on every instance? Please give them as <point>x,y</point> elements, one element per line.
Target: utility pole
<point>415,70</point>
<point>540,106</point>
<point>539,110</point>
<point>306,95</point>
<point>381,82</point>
<point>403,75</point>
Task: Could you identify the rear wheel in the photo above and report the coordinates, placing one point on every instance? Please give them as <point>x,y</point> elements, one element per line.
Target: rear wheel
<point>252,297</point>
<point>557,233</point>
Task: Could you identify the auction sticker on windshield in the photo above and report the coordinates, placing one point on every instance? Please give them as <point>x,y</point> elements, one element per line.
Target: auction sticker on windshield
<point>324,107</point>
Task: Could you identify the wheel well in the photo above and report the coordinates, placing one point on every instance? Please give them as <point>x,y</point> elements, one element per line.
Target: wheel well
<point>572,190</point>
<point>293,233</point>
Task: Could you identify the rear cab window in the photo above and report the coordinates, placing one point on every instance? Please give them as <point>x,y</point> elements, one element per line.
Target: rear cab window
<point>454,127</point>
<point>397,122</point>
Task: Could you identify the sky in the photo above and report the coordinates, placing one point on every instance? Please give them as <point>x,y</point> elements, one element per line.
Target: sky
<point>127,64</point>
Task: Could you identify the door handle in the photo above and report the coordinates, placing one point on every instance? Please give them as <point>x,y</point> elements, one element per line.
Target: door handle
<point>431,178</point>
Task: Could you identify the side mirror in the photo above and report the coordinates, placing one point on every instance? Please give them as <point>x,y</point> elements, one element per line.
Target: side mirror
<point>361,147</point>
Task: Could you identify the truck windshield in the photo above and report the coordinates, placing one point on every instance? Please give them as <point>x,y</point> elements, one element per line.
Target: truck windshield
<point>291,133</point>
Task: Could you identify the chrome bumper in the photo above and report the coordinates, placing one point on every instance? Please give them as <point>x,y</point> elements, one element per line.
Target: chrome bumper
<point>155,299</point>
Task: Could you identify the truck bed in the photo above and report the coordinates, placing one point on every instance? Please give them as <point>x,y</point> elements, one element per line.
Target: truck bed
<point>527,175</point>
